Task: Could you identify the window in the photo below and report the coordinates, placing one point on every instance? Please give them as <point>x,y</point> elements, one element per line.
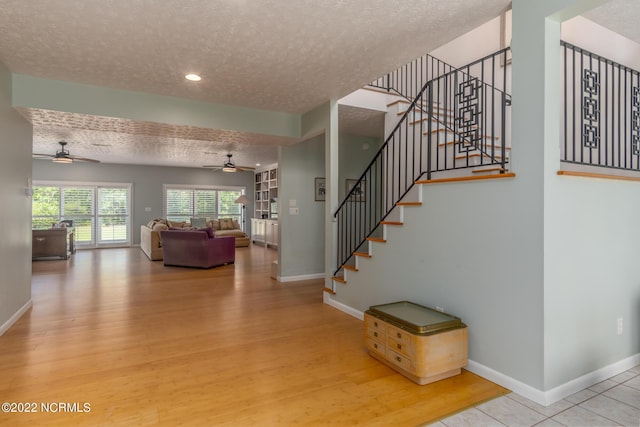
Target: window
<point>113,215</point>
<point>184,203</point>
<point>100,213</point>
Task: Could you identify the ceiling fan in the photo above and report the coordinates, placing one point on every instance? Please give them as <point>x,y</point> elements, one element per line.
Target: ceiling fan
<point>63,156</point>
<point>229,166</point>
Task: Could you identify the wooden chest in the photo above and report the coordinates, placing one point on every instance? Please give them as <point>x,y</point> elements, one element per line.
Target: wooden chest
<point>422,344</point>
<point>53,242</point>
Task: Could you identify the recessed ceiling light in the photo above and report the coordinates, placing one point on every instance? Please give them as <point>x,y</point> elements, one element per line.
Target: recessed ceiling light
<point>193,77</point>
<point>257,164</point>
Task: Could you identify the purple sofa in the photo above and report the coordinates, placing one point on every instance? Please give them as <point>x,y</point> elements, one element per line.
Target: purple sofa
<point>195,248</point>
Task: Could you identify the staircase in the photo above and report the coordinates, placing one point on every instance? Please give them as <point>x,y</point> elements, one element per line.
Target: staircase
<point>454,127</point>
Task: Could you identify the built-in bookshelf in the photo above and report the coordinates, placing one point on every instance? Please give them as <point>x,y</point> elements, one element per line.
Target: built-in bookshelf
<point>266,193</point>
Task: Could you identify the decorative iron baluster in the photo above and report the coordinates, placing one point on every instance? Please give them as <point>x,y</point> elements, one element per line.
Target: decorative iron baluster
<point>635,121</point>
<point>469,114</point>
<point>591,109</point>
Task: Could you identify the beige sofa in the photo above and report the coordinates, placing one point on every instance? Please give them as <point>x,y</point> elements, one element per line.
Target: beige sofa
<point>151,244</point>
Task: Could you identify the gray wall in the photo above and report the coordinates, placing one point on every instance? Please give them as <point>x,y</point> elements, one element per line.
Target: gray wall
<point>354,158</point>
<point>147,183</point>
<point>15,171</point>
<point>301,249</point>
<point>302,236</point>
<point>592,275</point>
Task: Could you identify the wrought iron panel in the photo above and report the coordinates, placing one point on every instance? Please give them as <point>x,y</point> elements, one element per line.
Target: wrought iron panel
<point>635,121</point>
<point>469,114</point>
<point>591,109</point>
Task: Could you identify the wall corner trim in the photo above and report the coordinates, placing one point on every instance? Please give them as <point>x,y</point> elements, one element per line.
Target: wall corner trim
<point>13,319</point>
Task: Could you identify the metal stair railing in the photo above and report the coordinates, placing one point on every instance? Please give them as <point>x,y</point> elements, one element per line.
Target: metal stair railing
<point>458,103</point>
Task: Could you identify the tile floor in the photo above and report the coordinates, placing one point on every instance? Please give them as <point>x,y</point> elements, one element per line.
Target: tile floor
<point>613,402</point>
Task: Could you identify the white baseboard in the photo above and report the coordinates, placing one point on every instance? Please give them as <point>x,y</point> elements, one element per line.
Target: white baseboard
<point>301,277</point>
<point>587,380</point>
<point>549,397</point>
<point>6,325</point>
<point>343,307</point>
<point>505,381</point>
<point>544,398</point>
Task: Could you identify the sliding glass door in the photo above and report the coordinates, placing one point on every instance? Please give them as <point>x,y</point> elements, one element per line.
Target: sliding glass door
<point>100,213</point>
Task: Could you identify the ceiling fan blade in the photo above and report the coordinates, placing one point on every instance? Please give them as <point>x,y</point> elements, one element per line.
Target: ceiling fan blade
<point>245,168</point>
<point>212,166</point>
<point>42,156</point>
<point>83,159</point>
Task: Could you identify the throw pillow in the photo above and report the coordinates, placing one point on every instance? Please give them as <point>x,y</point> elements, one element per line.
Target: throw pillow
<point>160,226</point>
<point>226,224</point>
<point>151,223</point>
<point>214,223</point>
<point>199,222</point>
<point>235,224</point>
<point>176,224</point>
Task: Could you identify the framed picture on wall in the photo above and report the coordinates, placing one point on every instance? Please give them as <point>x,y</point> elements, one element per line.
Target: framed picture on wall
<point>359,193</point>
<point>320,190</point>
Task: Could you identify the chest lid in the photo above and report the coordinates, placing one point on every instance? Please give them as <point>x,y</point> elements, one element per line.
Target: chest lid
<point>415,318</point>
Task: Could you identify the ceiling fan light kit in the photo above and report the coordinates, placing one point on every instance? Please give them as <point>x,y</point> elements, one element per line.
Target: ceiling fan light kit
<point>62,160</point>
<point>63,156</point>
<point>229,166</point>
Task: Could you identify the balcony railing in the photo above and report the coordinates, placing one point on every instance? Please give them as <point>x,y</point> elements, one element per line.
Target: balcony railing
<point>601,108</point>
<point>409,80</point>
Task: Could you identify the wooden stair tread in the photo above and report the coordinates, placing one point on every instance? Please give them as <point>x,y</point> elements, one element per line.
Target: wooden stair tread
<point>409,204</point>
<point>457,141</point>
<point>466,178</point>
<point>349,267</point>
<point>362,254</point>
<point>474,154</point>
<point>391,223</point>
<point>433,119</point>
<point>338,279</point>
<point>376,239</point>
<point>329,291</point>
<point>598,175</point>
<point>488,170</point>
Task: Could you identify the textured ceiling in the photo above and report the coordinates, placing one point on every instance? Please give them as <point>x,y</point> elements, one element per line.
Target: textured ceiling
<point>278,55</point>
<point>621,16</point>
<point>115,140</point>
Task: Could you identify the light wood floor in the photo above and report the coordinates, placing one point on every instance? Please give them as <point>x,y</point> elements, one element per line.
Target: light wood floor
<point>146,345</point>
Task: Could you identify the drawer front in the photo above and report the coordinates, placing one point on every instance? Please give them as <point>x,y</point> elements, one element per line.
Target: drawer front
<point>399,360</point>
<point>376,347</point>
<point>375,325</point>
<point>404,347</point>
<point>400,336</point>
<point>376,334</point>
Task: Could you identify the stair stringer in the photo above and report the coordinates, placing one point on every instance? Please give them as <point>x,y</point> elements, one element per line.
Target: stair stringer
<point>369,246</point>
<point>396,216</point>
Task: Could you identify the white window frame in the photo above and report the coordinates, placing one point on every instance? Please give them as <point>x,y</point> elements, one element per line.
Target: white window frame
<point>165,187</point>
